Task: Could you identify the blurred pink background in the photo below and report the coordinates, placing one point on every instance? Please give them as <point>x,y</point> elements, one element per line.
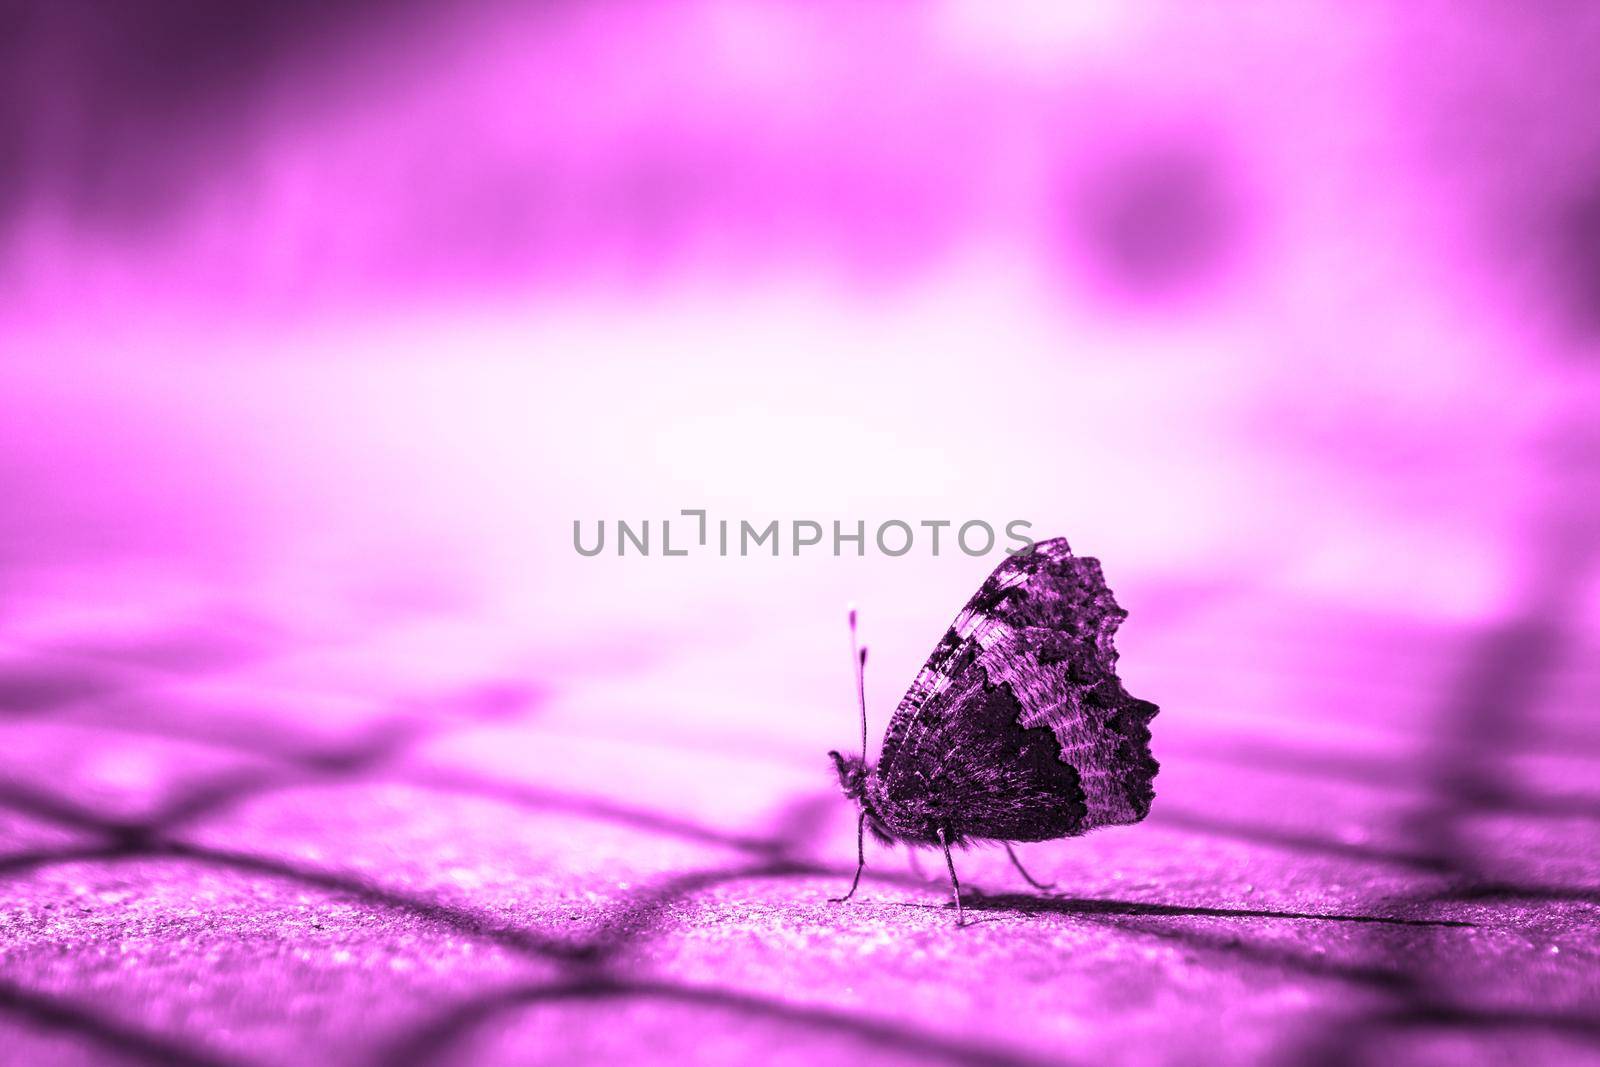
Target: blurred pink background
<point>356,310</point>
<point>322,324</point>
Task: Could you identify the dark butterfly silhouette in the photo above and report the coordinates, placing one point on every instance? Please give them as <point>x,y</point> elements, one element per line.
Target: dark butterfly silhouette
<point>1017,728</point>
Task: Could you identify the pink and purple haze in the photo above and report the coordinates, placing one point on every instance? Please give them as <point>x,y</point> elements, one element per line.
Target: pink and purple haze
<point>320,325</point>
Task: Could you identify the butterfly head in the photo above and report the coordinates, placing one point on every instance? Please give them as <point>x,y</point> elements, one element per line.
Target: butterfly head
<point>852,775</point>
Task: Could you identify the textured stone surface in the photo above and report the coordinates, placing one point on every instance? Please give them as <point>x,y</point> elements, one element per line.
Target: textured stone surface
<point>289,854</point>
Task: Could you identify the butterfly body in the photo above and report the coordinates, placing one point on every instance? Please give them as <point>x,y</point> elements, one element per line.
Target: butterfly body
<point>1017,727</point>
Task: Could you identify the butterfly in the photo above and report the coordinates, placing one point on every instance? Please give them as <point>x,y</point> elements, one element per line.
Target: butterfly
<point>1017,727</point>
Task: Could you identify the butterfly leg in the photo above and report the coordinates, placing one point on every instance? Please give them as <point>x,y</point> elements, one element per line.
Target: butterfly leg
<point>1031,880</point>
<point>955,883</point>
<point>861,858</point>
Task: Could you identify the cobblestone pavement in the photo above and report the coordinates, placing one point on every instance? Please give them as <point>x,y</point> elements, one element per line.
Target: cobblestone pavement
<point>226,841</point>
<point>326,327</point>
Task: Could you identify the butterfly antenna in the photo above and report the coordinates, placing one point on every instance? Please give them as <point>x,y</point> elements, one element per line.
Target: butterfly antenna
<point>859,654</point>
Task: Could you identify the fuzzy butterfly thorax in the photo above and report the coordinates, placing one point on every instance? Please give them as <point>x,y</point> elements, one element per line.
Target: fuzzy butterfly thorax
<point>1017,727</point>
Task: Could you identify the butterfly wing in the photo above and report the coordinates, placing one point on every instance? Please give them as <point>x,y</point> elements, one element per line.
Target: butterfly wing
<point>1017,728</point>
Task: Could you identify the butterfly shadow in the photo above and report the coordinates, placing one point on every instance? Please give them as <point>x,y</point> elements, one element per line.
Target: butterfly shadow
<point>1057,904</point>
